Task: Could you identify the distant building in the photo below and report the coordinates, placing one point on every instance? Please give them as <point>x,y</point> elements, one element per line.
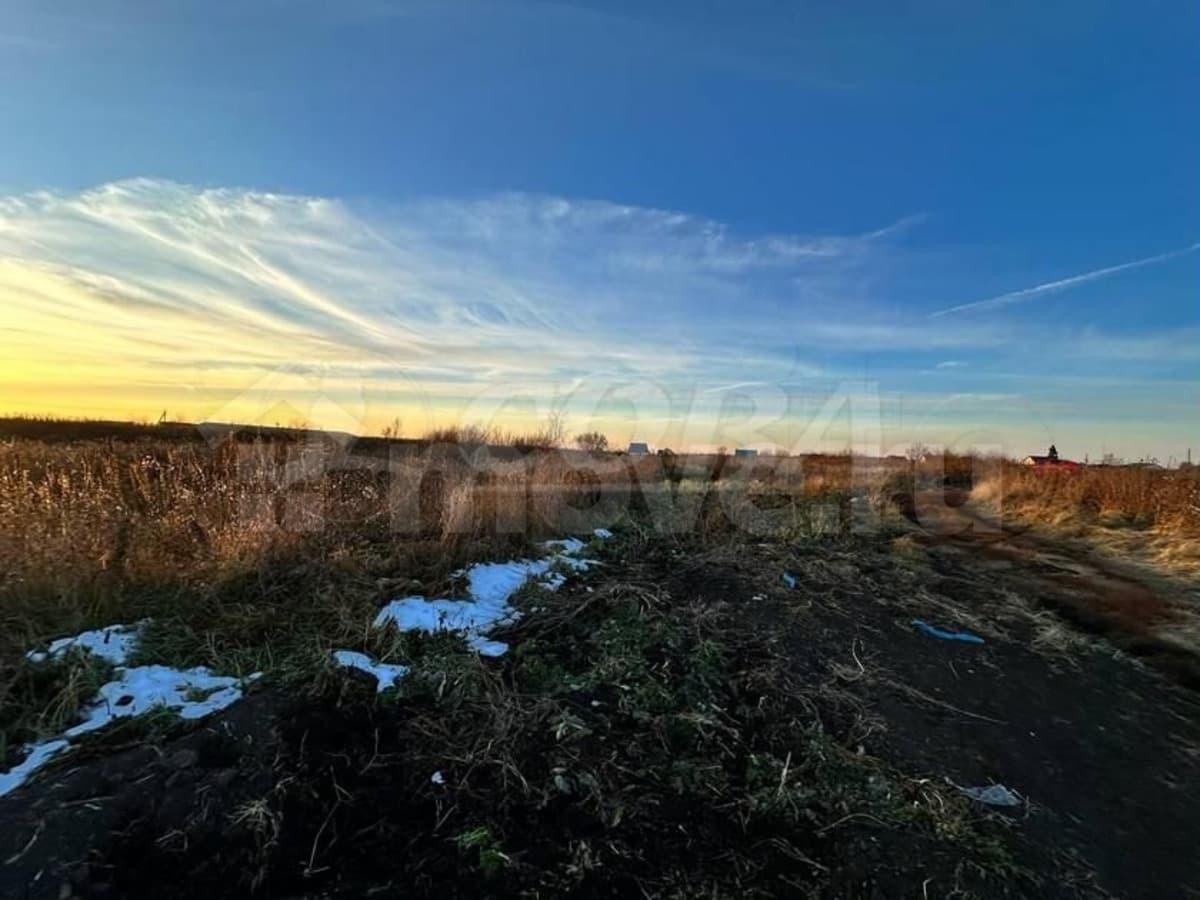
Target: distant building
<point>638,448</point>
<point>745,453</point>
<point>1052,462</point>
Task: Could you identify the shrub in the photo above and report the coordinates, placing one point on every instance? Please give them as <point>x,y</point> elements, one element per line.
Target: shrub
<point>592,441</point>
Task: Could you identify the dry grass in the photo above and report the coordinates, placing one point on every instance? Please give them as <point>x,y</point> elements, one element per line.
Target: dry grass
<point>634,743</point>
<point>622,710</point>
<point>548,436</point>
<point>1131,512</point>
<point>1114,496</point>
<point>263,553</point>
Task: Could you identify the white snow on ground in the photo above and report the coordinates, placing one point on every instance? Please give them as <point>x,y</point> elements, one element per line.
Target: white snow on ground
<point>193,693</point>
<point>468,617</point>
<point>114,644</point>
<point>489,587</point>
<point>567,546</point>
<point>38,757</point>
<point>387,675</point>
<point>196,693</point>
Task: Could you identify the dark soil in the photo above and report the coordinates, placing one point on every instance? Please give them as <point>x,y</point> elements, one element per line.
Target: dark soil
<point>1107,753</point>
<point>291,796</point>
<point>1096,595</point>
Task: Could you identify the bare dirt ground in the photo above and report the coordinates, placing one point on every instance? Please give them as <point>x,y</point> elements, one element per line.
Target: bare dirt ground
<point>1140,609</point>
<point>1075,700</point>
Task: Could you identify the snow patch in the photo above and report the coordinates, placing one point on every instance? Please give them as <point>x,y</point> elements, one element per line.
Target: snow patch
<point>113,644</point>
<point>38,757</point>
<point>193,693</point>
<point>569,546</point>
<point>490,586</point>
<point>384,673</point>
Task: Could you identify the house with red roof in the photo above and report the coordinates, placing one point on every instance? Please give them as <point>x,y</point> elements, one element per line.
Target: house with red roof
<point>1052,462</point>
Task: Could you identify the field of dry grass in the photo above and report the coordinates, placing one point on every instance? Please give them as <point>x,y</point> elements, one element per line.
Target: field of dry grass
<point>1152,515</point>
<point>263,551</point>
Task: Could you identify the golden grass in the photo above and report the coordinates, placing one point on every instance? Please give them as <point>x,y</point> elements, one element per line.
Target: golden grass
<point>1151,515</point>
<point>1115,496</point>
<point>264,554</point>
<point>168,508</point>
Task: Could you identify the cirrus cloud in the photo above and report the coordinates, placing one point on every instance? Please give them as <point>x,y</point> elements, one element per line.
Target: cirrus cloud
<point>170,294</point>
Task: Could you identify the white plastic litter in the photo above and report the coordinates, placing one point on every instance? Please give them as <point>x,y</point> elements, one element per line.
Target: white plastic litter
<point>992,795</point>
<point>385,674</point>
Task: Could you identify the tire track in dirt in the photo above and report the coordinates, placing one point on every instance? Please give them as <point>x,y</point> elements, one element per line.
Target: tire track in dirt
<point>1100,597</point>
<point>1104,750</point>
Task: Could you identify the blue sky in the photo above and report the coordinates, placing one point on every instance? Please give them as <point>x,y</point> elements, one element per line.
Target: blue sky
<point>699,223</point>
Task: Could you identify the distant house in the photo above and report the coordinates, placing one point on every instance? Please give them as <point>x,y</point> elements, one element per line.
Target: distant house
<point>1052,463</point>
<point>638,448</point>
<point>745,453</point>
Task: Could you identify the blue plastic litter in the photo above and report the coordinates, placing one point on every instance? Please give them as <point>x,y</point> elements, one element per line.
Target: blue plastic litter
<point>948,635</point>
<point>992,795</point>
<point>789,579</point>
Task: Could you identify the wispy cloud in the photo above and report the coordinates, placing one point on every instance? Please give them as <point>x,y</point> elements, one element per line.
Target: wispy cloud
<point>737,386</point>
<point>206,284</point>
<point>1062,284</point>
<point>174,296</point>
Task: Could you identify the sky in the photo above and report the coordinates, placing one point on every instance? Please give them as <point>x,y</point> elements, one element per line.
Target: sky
<point>807,225</point>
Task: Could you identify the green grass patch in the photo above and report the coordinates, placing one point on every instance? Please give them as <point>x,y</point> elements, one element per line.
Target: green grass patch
<point>43,699</point>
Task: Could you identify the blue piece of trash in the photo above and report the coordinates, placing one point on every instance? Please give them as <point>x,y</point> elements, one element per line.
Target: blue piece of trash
<point>948,635</point>
<point>789,579</point>
<point>992,795</point>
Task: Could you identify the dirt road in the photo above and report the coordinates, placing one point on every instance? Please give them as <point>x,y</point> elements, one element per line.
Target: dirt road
<point>1143,612</point>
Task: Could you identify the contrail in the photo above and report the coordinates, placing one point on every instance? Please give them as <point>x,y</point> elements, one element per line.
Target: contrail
<point>1062,284</point>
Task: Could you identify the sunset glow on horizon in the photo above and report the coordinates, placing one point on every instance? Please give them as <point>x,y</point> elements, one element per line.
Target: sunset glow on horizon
<point>454,265</point>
